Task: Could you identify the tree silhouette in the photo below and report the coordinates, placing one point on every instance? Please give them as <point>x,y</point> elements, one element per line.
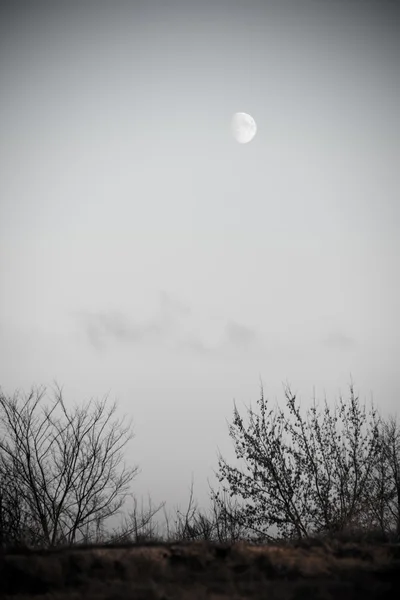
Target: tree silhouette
<point>384,495</point>
<point>59,475</point>
<point>307,475</point>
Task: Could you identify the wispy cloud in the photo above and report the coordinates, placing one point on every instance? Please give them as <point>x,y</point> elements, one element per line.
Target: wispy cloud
<point>173,323</point>
<point>233,336</point>
<point>239,336</point>
<point>194,344</point>
<point>338,341</point>
<point>104,327</point>
<point>101,328</point>
<point>172,305</point>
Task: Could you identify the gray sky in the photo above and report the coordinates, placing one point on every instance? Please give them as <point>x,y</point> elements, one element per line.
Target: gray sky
<point>145,253</point>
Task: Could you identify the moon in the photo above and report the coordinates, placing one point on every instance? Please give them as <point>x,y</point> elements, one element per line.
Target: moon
<point>244,127</point>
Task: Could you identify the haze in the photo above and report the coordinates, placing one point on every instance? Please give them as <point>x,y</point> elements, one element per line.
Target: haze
<point>146,254</point>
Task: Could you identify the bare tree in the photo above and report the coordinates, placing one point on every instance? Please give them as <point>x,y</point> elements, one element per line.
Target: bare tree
<point>65,469</point>
<point>16,524</point>
<point>305,476</point>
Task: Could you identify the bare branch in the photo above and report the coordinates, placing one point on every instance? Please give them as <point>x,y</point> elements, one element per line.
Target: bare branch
<point>65,465</point>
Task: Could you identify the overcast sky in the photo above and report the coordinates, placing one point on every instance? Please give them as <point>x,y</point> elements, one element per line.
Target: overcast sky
<point>145,253</point>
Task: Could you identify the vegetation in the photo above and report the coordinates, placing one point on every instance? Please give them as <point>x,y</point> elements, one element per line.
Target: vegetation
<point>325,473</point>
<point>320,490</point>
<point>59,473</point>
<point>328,472</point>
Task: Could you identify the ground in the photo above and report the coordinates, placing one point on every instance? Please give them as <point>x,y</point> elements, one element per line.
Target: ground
<point>197,571</point>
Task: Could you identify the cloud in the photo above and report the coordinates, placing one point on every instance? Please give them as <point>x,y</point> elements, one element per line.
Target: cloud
<point>173,323</point>
<point>239,335</point>
<point>193,343</point>
<point>339,341</point>
<point>101,328</point>
<point>233,335</point>
<point>171,305</point>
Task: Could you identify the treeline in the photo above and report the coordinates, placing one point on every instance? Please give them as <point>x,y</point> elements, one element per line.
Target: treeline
<point>323,472</point>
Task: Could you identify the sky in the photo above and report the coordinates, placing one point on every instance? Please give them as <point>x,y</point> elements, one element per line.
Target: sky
<point>147,255</point>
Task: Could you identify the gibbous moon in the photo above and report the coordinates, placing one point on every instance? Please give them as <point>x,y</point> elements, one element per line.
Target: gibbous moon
<point>244,127</point>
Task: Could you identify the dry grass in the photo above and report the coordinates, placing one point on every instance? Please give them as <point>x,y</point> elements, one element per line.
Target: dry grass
<point>201,570</point>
